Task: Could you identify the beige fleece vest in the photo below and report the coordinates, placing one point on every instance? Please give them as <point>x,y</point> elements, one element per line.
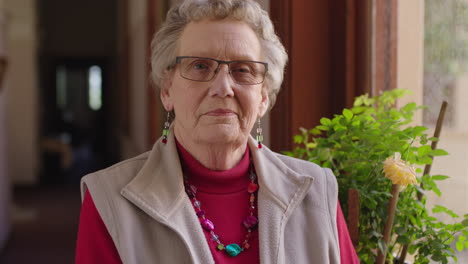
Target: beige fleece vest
<point>151,220</point>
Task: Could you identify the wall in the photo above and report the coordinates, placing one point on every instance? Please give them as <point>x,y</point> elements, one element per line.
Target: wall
<point>21,80</point>
<point>410,48</point>
<point>453,139</point>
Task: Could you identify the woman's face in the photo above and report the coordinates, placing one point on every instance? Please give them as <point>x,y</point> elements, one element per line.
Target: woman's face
<point>217,111</point>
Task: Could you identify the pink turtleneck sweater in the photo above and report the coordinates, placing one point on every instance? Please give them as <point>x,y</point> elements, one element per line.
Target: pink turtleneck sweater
<point>224,198</point>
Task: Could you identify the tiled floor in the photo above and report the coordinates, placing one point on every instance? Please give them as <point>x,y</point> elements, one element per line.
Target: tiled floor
<point>44,227</point>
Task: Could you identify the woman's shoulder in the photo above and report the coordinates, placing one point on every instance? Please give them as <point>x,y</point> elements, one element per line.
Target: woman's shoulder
<point>321,184</point>
<point>115,176</point>
<point>307,167</point>
<point>297,165</point>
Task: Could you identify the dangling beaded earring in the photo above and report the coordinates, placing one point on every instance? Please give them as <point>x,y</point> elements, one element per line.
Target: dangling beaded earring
<point>166,129</point>
<point>259,134</point>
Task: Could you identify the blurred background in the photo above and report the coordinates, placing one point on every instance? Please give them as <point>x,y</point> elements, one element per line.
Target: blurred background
<point>75,94</point>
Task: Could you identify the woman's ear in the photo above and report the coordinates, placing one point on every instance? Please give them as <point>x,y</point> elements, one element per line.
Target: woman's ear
<point>165,92</point>
<point>263,107</point>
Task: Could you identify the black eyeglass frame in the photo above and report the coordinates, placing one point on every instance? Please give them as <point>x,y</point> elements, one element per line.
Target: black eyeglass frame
<point>179,58</point>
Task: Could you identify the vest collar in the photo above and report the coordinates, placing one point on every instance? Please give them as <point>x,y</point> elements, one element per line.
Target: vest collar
<point>281,190</point>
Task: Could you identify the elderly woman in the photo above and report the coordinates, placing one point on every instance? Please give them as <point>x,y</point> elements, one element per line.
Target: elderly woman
<point>208,192</point>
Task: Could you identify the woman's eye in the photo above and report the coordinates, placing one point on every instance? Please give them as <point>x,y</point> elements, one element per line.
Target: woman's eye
<point>200,66</point>
<point>242,69</point>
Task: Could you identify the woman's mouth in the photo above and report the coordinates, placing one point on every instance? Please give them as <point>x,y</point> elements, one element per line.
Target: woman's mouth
<point>221,112</point>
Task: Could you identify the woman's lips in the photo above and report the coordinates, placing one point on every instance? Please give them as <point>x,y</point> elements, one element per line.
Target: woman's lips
<point>221,112</point>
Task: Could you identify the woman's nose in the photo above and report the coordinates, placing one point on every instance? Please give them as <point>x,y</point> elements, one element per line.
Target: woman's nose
<point>222,84</point>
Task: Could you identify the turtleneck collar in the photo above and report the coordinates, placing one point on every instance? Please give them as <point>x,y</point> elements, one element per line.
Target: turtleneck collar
<point>211,181</point>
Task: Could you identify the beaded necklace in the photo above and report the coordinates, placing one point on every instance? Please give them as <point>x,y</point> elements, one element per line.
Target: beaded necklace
<point>250,221</point>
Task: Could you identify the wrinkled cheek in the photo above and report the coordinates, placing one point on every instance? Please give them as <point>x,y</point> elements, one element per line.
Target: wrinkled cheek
<point>246,123</point>
<point>190,115</point>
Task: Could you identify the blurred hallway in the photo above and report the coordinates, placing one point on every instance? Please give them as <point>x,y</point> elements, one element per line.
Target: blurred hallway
<point>44,226</point>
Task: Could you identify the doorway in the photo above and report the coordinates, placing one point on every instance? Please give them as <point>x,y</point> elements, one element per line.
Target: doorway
<point>74,139</point>
<point>78,59</point>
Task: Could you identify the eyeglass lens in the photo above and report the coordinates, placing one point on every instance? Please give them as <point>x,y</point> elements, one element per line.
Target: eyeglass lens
<point>204,69</point>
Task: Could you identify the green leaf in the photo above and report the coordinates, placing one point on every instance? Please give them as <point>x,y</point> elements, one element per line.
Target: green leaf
<point>412,248</point>
<point>404,240</point>
<point>325,121</point>
<point>358,109</point>
<point>358,101</point>
<point>324,128</point>
<point>409,107</point>
<point>348,114</point>
<point>452,214</point>
<point>298,139</point>
<point>439,209</point>
<point>401,230</point>
<point>436,190</point>
<point>339,127</point>
<point>465,222</point>
<point>438,152</point>
<point>419,129</point>
<point>437,257</point>
<point>435,244</point>
<point>460,246</point>
<point>327,164</point>
<point>424,150</point>
<point>440,177</point>
<point>315,131</point>
<point>425,160</point>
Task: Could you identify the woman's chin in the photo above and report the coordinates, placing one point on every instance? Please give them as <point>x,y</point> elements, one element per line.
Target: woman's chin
<point>221,134</point>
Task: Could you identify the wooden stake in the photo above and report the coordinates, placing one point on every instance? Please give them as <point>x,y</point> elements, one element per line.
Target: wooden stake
<point>427,168</point>
<point>353,216</point>
<point>389,224</point>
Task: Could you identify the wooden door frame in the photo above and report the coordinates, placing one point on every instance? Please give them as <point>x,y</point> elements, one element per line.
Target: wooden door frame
<point>361,49</point>
<point>156,12</point>
<point>385,46</point>
<point>280,121</point>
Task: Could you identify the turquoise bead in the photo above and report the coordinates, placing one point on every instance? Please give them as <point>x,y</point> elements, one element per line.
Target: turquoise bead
<point>233,250</point>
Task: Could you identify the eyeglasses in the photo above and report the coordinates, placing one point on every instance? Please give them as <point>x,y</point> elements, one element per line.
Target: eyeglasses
<point>202,69</point>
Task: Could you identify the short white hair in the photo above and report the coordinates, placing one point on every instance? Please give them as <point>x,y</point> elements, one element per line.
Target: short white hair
<point>164,43</point>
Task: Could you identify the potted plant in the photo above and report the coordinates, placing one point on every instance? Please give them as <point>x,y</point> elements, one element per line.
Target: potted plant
<point>355,146</point>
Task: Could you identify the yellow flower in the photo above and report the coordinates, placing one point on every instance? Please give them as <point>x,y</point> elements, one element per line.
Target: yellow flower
<point>399,171</point>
